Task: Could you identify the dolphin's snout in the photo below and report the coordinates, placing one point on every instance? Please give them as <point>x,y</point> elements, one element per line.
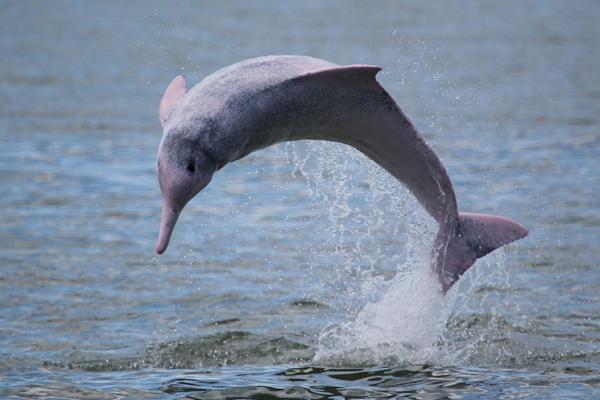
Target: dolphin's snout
<point>177,187</point>
<point>167,224</point>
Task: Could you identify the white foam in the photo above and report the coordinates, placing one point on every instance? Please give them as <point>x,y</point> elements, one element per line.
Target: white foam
<point>403,325</point>
<point>402,319</point>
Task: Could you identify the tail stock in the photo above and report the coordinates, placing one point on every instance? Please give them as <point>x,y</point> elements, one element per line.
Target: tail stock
<point>457,247</point>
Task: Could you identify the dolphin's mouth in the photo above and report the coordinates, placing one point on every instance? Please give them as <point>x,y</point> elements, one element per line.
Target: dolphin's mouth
<point>167,224</point>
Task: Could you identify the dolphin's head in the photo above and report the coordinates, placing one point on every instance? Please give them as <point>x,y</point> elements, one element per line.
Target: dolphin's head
<point>184,169</point>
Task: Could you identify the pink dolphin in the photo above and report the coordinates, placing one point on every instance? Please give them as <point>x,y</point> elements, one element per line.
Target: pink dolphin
<point>262,101</point>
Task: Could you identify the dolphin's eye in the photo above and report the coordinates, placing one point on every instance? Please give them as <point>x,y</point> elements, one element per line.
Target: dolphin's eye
<point>191,167</point>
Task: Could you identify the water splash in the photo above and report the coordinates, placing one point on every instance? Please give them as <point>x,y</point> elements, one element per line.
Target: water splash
<point>381,237</point>
<point>402,326</point>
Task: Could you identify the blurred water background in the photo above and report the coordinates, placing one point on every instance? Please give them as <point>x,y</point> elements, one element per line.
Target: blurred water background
<point>300,271</point>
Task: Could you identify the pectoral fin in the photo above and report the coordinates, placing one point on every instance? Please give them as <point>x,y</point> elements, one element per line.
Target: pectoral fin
<point>172,96</point>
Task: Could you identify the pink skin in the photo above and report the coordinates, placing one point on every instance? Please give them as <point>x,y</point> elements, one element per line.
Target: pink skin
<point>475,236</point>
<point>172,96</point>
<point>177,186</point>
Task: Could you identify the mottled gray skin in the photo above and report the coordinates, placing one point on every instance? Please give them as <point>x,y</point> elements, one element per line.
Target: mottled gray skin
<point>263,101</point>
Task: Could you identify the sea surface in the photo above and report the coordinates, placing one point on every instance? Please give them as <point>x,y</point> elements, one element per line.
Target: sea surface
<point>301,271</point>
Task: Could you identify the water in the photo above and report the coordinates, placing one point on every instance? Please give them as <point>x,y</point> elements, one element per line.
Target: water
<point>300,272</point>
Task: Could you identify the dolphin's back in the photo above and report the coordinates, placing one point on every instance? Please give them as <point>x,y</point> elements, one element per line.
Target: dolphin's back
<point>234,95</point>
<point>257,74</point>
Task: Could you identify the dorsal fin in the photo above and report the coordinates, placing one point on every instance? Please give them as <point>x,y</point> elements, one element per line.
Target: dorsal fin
<point>172,96</point>
<point>356,73</point>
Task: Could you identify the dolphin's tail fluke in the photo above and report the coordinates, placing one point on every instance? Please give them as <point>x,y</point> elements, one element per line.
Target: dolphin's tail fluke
<point>473,236</point>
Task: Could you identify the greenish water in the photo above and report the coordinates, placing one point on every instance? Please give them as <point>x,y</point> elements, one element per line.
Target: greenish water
<point>301,271</point>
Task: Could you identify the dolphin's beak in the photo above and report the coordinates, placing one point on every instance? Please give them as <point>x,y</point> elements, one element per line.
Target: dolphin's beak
<point>167,224</point>
<point>172,207</point>
<point>177,187</point>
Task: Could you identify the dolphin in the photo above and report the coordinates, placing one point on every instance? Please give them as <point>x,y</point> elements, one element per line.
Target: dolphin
<point>262,101</point>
